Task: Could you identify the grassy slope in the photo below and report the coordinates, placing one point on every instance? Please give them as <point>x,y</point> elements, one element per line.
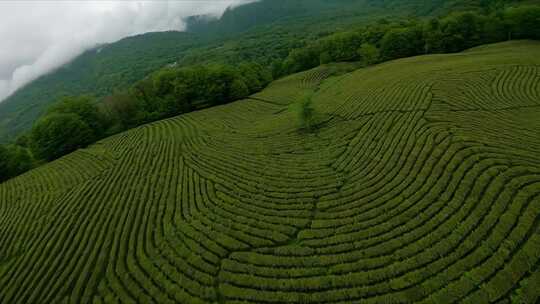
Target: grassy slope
<point>422,183</point>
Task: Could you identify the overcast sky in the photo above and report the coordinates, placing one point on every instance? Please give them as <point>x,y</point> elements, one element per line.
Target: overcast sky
<point>39,36</point>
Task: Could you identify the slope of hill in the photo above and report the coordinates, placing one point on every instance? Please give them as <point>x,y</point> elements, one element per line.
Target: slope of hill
<point>421,184</point>
<point>262,31</point>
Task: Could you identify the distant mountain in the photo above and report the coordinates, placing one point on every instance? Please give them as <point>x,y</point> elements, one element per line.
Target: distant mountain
<point>263,12</point>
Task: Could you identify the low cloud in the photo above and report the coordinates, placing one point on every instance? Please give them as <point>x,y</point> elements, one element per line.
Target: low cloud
<point>40,36</point>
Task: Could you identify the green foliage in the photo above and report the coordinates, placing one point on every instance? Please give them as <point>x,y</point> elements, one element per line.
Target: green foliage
<point>180,90</point>
<point>341,46</point>
<point>523,22</point>
<point>70,124</point>
<point>306,114</point>
<point>369,54</point>
<point>121,110</point>
<point>14,160</point>
<point>167,93</point>
<point>433,36</point>
<point>402,42</point>
<point>452,33</point>
<point>304,59</point>
<point>264,12</point>
<point>58,134</point>
<point>4,163</point>
<point>83,106</point>
<point>97,72</point>
<point>462,31</point>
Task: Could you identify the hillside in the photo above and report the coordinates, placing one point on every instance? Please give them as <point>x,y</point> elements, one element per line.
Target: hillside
<point>420,184</point>
<point>262,31</point>
<point>97,72</point>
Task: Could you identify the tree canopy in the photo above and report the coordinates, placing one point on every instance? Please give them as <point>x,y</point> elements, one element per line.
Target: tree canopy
<point>58,134</point>
<point>385,40</point>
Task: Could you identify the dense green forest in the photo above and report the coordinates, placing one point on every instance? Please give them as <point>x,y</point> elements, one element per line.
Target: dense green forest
<point>194,84</point>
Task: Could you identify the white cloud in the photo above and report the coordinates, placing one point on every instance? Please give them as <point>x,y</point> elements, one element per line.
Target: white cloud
<point>39,36</point>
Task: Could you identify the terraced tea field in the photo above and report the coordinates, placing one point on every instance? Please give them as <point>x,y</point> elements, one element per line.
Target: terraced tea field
<point>421,184</point>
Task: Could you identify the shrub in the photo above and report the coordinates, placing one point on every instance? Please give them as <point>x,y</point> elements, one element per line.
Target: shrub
<point>306,114</point>
<point>369,53</point>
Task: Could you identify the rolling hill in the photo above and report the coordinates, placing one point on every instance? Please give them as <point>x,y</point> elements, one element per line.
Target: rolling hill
<point>420,184</point>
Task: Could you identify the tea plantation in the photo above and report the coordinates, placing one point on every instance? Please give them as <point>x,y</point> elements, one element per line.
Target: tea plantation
<point>419,183</point>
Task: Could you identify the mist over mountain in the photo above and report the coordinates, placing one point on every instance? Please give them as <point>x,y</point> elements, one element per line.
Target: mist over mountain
<point>36,40</point>
<point>228,32</point>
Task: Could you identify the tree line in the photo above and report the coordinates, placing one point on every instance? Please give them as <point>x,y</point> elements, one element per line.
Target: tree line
<point>383,40</point>
<point>75,122</point>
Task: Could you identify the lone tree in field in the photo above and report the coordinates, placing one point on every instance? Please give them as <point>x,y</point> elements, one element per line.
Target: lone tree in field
<point>306,114</point>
